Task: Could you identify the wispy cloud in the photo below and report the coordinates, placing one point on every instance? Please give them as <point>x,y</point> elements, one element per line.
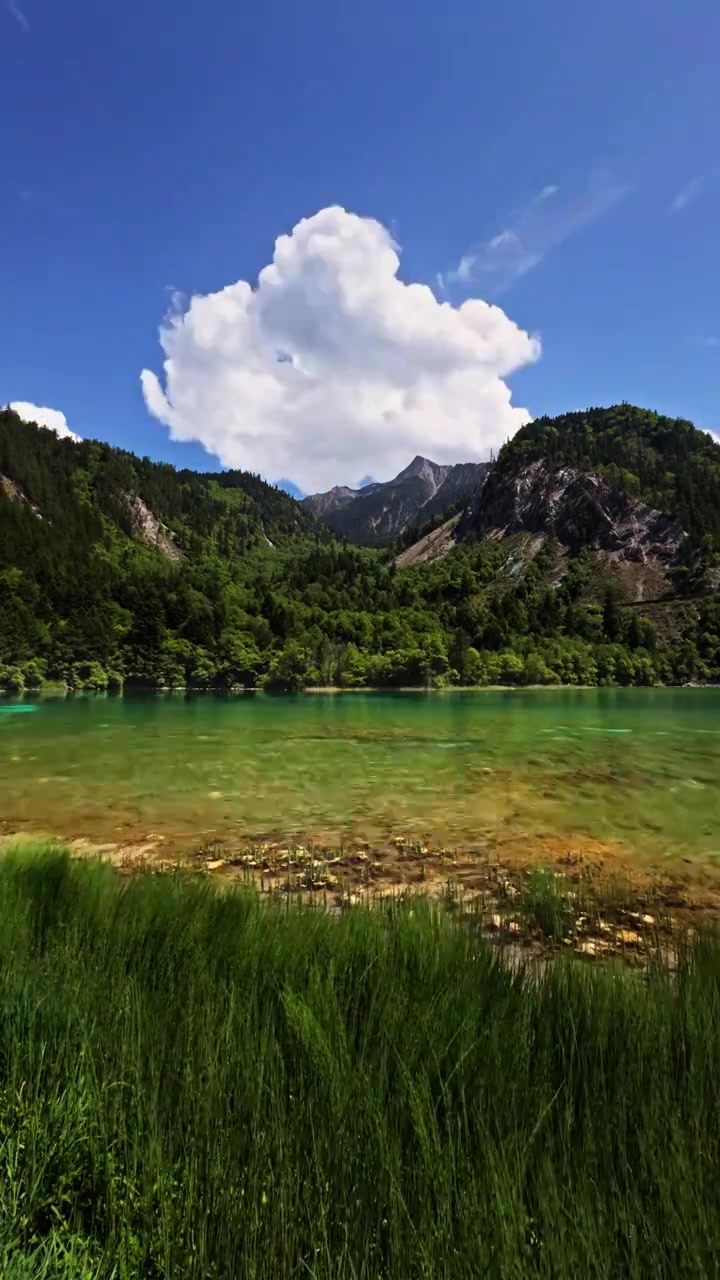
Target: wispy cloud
<point>534,231</point>
<point>709,341</point>
<point>689,193</point>
<point>546,193</point>
<point>34,200</point>
<point>13,8</point>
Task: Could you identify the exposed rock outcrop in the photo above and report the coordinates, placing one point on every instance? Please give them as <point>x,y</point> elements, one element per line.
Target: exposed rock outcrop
<point>153,531</point>
<point>433,546</point>
<point>323,505</point>
<point>15,493</point>
<point>578,508</point>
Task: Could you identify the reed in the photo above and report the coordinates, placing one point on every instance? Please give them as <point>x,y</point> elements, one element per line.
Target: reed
<point>202,1084</point>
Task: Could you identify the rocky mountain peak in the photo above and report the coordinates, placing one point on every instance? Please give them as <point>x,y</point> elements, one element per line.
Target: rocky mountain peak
<point>422,469</point>
<point>379,512</point>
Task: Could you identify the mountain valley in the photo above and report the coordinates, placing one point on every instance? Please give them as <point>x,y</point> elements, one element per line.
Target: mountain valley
<point>586,553</point>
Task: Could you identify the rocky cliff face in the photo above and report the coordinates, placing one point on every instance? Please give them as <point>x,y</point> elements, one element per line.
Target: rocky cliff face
<point>378,513</point>
<point>324,505</point>
<point>578,508</point>
<point>151,530</point>
<point>15,494</point>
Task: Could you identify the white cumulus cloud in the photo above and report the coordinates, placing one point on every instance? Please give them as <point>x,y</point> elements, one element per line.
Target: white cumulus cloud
<point>53,419</point>
<point>331,367</point>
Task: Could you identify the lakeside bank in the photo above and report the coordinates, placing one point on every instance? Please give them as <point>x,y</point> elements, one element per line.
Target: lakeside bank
<point>197,1083</point>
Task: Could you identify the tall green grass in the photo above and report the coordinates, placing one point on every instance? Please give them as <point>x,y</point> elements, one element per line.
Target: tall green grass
<point>199,1084</point>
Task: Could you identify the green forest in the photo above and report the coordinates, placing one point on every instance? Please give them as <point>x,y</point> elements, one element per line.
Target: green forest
<point>115,571</point>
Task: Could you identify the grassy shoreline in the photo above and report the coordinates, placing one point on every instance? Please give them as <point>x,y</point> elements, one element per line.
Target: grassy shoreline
<point>612,901</point>
<point>198,1084</point>
<point>55,690</point>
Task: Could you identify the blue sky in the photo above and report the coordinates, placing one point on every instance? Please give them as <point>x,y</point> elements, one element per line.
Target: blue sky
<point>560,161</point>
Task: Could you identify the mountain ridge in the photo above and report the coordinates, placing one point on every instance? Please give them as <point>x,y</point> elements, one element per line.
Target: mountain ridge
<point>378,513</point>
<point>590,554</point>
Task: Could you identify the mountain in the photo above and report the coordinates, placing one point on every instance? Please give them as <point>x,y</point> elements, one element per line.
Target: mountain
<point>635,454</point>
<point>107,559</point>
<point>323,505</point>
<point>623,482</point>
<point>588,555</point>
<point>89,492</point>
<point>579,509</point>
<point>377,514</point>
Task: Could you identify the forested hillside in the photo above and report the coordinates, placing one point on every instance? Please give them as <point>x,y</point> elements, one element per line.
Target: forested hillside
<point>665,462</point>
<point>117,570</point>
